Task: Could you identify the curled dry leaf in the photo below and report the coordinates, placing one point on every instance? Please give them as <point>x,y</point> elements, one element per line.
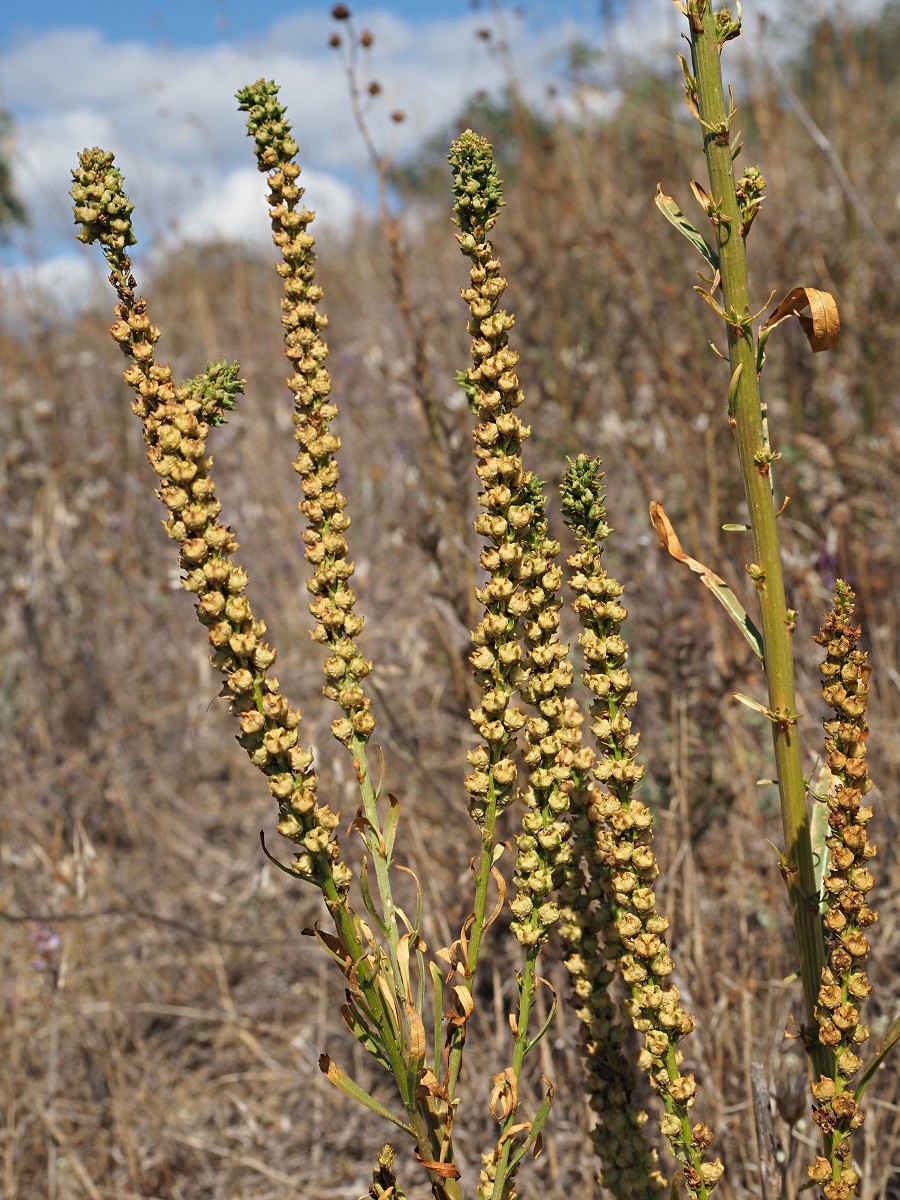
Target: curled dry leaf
<point>428,1084</point>
<point>501,897</point>
<point>504,1094</point>
<point>442,1169</point>
<point>417,1044</point>
<point>822,325</point>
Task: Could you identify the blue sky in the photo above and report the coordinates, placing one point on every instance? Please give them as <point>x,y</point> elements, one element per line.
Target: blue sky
<point>155,83</point>
<point>200,22</point>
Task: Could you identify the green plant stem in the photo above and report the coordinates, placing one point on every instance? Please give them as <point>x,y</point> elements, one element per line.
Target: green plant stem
<point>526,998</point>
<point>421,1119</point>
<point>752,445</point>
<point>476,932</point>
<point>380,859</point>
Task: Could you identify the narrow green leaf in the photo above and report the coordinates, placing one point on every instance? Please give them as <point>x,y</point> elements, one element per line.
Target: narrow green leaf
<point>392,820</point>
<point>537,1125</point>
<point>352,1018</point>
<point>368,900</point>
<point>350,1088</point>
<point>676,217</point>
<point>420,978</point>
<point>530,1045</point>
<point>733,388</point>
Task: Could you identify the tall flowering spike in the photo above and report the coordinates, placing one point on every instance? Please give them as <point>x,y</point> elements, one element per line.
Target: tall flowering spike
<point>848,881</point>
<point>177,420</point>
<point>630,1170</point>
<point>512,506</point>
<point>324,505</point>
<point>620,860</point>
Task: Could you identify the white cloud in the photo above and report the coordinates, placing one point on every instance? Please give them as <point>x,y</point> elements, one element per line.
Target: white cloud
<point>236,210</point>
<point>65,284</point>
<point>170,117</point>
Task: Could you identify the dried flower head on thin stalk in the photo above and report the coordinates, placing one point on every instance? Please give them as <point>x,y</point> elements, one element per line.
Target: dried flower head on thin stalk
<point>396,1036</point>
<point>629,1170</point>
<point>508,498</point>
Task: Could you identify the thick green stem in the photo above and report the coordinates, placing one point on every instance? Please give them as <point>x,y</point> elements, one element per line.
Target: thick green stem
<point>747,420</point>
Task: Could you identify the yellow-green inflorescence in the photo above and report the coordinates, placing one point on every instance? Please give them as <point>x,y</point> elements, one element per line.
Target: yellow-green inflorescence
<point>520,596</point>
<point>384,1181</point>
<point>847,883</point>
<point>177,420</point>
<point>620,861</point>
<point>553,747</point>
<point>323,504</point>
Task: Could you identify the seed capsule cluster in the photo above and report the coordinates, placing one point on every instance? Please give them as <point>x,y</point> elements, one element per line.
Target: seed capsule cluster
<point>621,860</point>
<point>177,420</point>
<point>337,626</point>
<point>101,208</point>
<point>847,883</point>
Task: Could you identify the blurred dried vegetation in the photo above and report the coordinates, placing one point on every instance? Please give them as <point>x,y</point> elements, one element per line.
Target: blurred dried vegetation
<point>161,1011</point>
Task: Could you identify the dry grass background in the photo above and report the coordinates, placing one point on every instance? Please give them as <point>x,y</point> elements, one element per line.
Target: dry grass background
<point>161,1011</point>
